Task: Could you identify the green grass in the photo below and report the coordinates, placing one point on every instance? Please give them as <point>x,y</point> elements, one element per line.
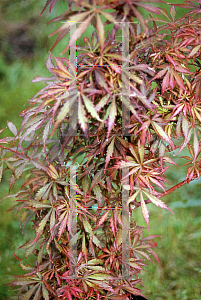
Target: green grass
<point>12,238</point>
<point>179,275</point>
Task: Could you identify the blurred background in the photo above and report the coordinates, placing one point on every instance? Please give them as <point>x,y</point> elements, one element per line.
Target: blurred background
<point>24,48</point>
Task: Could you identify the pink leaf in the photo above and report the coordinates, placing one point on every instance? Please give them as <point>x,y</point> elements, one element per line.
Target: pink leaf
<point>154,255</point>
<point>112,115</point>
<point>170,59</point>
<point>165,82</point>
<point>144,209</point>
<point>103,218</point>
<point>160,74</point>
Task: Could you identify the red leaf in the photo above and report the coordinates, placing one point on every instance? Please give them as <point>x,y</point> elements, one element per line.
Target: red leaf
<point>178,80</point>
<point>160,74</point>
<point>154,255</point>
<point>172,81</point>
<point>165,82</point>
<point>103,218</point>
<point>170,59</point>
<point>17,257</point>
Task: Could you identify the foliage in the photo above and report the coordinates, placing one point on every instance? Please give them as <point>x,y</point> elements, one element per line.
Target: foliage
<point>79,114</point>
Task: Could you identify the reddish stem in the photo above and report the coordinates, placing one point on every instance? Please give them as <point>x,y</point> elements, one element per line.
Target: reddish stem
<point>175,187</point>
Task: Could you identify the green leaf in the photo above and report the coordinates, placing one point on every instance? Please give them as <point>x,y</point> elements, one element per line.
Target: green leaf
<point>98,192</point>
<point>173,12</point>
<point>59,247</point>
<point>30,248</point>
<point>64,111</point>
<point>90,107</point>
<point>31,122</point>
<point>87,226</point>
<point>42,191</point>
<point>30,292</point>
<point>82,116</point>
<point>74,239</point>
<point>46,132</point>
<point>101,31</point>
<point>38,205</point>
<point>141,153</point>
<point>133,197</point>
<point>185,128</point>
<point>102,102</point>
<point>79,31</point>
<point>157,19</point>
<point>197,115</point>
<point>97,178</point>
<point>144,209</point>
<point>99,276</point>
<point>1,170</point>
<point>62,67</point>
<point>45,292</point>
<point>96,268</point>
<point>41,226</point>
<point>38,294</point>
<point>144,254</point>
<point>24,282</point>
<point>95,261</point>
<point>40,254</point>
<point>136,78</point>
<point>96,241</point>
<point>84,249</point>
<point>135,265</point>
<point>159,131</point>
<point>164,12</point>
<point>12,127</point>
<point>20,169</point>
<point>194,51</point>
<point>52,218</point>
<point>78,17</point>
<point>109,17</point>
<point>110,151</point>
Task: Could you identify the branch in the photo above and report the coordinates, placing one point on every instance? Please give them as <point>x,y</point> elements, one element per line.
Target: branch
<point>172,189</point>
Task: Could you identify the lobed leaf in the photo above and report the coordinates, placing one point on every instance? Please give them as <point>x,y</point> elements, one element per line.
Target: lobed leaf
<point>156,201</point>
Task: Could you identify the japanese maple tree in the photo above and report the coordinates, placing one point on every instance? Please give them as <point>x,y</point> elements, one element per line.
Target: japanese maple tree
<point>95,144</point>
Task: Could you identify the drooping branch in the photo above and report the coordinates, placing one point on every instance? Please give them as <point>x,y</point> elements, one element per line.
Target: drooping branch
<point>172,189</point>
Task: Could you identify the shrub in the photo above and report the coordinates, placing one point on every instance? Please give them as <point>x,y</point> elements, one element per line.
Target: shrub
<point>95,143</point>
